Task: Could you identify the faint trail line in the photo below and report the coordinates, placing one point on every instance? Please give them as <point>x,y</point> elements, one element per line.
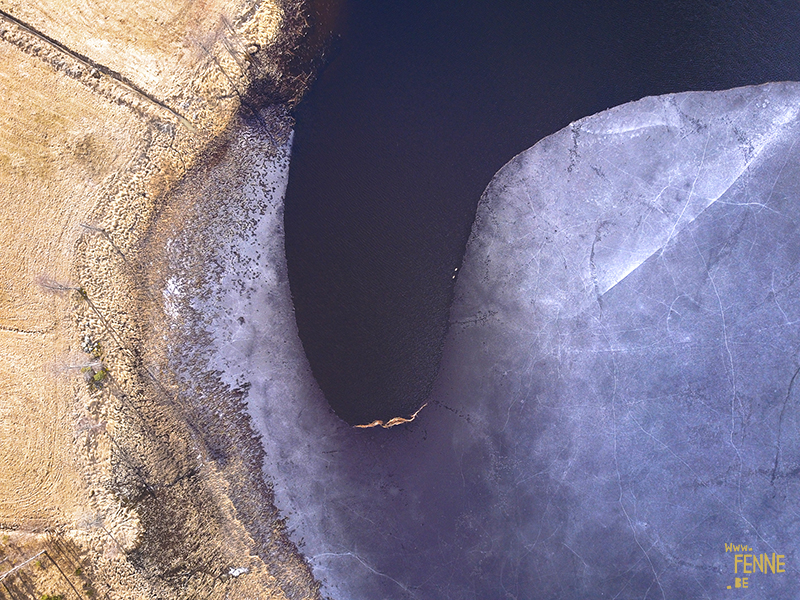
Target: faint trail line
<point>119,78</point>
<point>19,566</point>
<point>27,331</point>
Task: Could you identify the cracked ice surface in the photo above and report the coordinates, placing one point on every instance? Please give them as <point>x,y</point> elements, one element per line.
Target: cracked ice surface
<point>618,397</point>
<point>623,345</point>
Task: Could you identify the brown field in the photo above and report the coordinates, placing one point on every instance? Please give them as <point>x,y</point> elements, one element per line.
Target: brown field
<point>58,143</point>
<point>106,107</point>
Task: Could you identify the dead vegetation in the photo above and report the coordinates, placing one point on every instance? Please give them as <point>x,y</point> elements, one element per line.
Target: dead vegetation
<point>46,566</point>
<point>106,107</point>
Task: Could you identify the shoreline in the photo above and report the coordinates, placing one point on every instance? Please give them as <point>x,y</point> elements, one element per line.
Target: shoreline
<point>187,252</point>
<point>106,456</point>
<point>498,461</point>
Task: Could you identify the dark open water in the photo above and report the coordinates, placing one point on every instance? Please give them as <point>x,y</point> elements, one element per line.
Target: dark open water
<point>422,104</point>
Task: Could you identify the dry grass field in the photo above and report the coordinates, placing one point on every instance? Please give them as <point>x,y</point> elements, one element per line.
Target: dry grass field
<point>58,143</point>
<point>105,107</point>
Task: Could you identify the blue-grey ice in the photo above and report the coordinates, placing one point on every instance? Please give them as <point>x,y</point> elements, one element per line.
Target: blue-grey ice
<point>618,398</point>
